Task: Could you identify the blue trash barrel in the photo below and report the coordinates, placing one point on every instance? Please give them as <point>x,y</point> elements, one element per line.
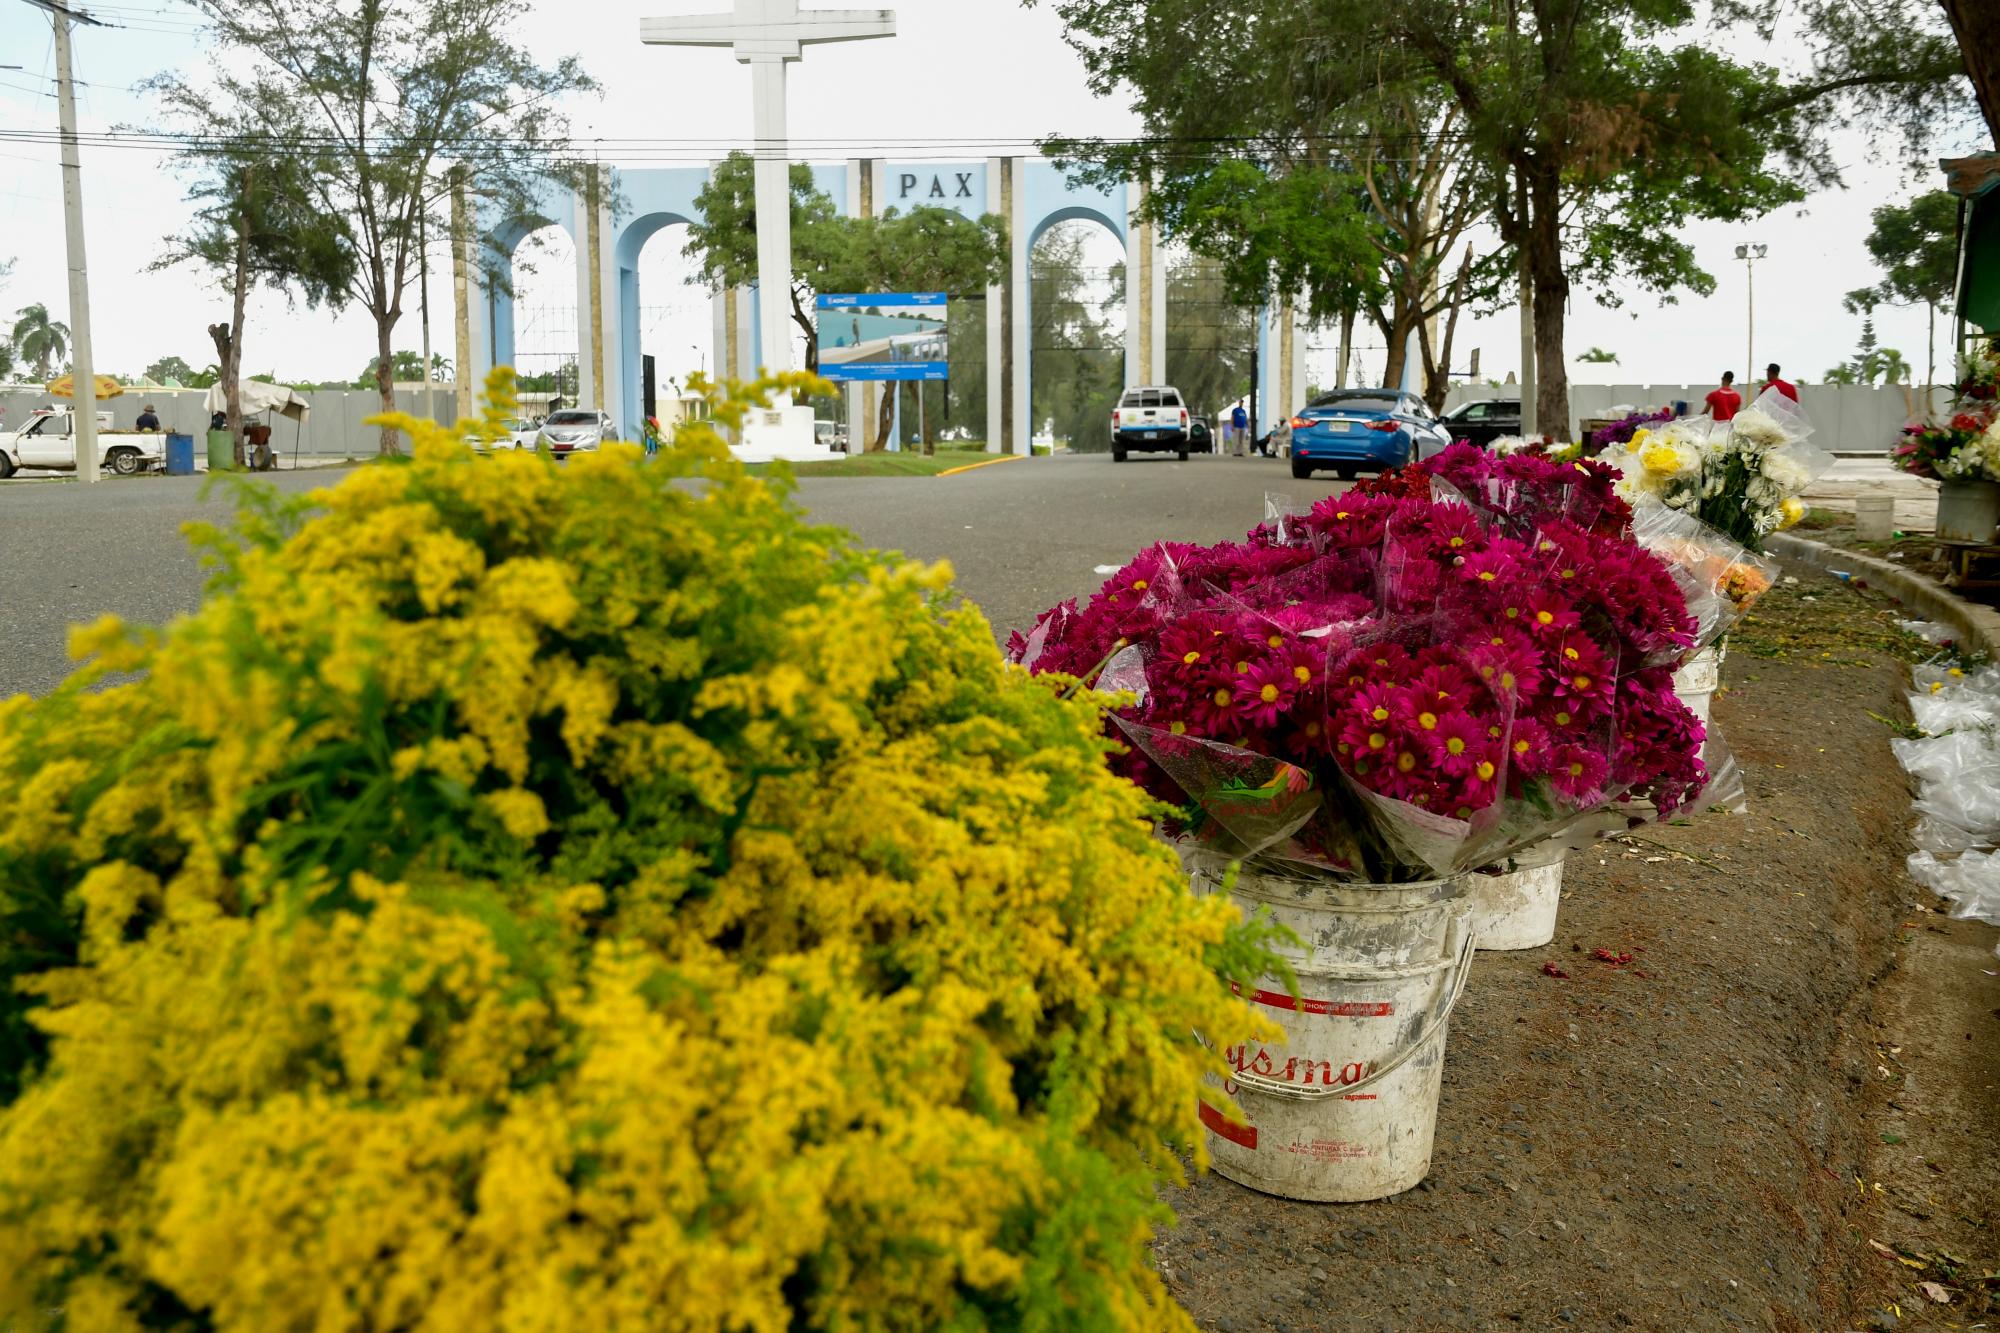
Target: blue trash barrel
<point>180,455</point>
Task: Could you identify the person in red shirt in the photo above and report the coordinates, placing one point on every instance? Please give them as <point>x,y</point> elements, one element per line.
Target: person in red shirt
<point>1723,402</point>
<point>1771,381</point>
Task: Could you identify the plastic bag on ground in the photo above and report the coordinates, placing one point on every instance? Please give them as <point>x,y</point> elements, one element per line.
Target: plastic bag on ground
<point>1957,770</point>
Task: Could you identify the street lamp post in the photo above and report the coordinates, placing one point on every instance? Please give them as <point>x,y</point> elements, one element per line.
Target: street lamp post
<point>1750,254</point>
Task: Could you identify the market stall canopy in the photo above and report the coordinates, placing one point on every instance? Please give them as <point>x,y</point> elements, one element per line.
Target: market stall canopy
<point>1976,182</point>
<point>64,386</point>
<point>261,397</point>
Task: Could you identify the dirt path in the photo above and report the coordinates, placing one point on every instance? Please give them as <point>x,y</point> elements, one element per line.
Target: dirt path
<point>1695,1139</point>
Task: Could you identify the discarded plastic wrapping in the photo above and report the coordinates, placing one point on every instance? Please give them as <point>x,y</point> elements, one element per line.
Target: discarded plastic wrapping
<point>1957,768</point>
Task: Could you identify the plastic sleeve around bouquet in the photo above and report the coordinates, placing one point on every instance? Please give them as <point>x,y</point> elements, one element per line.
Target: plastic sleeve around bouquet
<point>1720,577</point>
<point>1776,425</point>
<point>1239,802</point>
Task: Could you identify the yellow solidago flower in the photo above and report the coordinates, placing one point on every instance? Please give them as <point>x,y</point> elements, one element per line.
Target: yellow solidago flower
<point>539,896</point>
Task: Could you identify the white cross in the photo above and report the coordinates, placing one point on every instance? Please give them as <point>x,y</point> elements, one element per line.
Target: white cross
<point>767,35</point>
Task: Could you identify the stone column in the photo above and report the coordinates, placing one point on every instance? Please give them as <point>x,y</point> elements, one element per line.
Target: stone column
<point>1020,427</point>
<point>463,368</point>
<point>996,340</point>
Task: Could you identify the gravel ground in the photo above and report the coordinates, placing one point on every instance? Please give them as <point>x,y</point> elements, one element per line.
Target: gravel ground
<point>1693,1140</point>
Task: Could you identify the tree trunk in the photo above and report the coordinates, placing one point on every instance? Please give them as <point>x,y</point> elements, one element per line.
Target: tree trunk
<point>1437,367</point>
<point>1397,330</point>
<point>1977,26</point>
<point>885,417</point>
<point>385,377</point>
<point>1340,371</point>
<point>1551,289</point>
<point>233,370</point>
<point>811,330</point>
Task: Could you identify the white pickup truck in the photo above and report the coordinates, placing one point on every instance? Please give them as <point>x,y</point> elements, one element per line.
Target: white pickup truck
<point>45,442</point>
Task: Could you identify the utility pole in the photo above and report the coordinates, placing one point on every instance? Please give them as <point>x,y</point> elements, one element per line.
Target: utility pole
<point>83,378</point>
<point>1750,254</point>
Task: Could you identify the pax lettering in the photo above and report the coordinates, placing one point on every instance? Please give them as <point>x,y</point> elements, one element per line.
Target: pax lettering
<point>909,180</point>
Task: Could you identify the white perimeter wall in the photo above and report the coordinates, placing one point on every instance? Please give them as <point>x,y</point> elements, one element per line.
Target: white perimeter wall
<point>1847,418</point>
<point>334,429</point>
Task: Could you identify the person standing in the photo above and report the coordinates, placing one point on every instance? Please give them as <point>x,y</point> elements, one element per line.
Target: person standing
<point>1239,430</point>
<point>1723,402</point>
<point>1783,386</point>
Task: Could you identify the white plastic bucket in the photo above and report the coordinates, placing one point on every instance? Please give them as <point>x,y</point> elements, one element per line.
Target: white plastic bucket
<point>1345,1108</point>
<point>1515,906</point>
<point>1874,517</point>
<point>1697,680</point>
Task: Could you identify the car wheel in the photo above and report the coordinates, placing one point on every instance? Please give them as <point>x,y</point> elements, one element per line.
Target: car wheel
<point>1181,453</point>
<point>1301,469</point>
<point>1117,454</point>
<point>6,466</point>
<point>1346,473</point>
<point>125,462</point>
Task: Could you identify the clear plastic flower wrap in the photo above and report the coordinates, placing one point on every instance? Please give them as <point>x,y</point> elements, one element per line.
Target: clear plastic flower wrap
<point>1417,676</point>
<point>1720,579</point>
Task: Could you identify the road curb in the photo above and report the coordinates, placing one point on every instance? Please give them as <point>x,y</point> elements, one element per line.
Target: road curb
<point>1977,628</point>
<point>990,462</point>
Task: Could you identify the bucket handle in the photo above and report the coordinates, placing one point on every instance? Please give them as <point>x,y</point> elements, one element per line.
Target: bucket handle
<point>1258,1083</point>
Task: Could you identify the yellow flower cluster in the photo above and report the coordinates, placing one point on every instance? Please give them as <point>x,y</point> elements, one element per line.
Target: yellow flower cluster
<point>584,897</point>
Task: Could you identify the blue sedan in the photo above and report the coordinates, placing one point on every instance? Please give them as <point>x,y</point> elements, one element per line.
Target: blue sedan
<point>1364,430</point>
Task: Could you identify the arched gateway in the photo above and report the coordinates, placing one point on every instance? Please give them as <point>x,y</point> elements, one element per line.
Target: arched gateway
<point>1030,193</point>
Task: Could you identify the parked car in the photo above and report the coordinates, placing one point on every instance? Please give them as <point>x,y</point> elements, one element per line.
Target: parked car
<point>1201,440</point>
<point>46,442</point>
<point>522,432</point>
<point>1484,420</point>
<point>575,431</point>
<point>1364,430</point>
<point>1151,419</point>
<point>830,435</point>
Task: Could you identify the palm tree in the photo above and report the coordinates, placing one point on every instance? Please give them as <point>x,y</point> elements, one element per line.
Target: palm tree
<point>41,341</point>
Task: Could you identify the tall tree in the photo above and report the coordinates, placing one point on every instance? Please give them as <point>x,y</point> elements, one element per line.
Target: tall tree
<point>255,221</point>
<point>170,368</point>
<point>1076,324</point>
<point>1210,335</point>
<point>41,341</point>
<point>724,243</point>
<point>1916,245</point>
<point>923,250</point>
<point>1598,127</point>
<point>377,100</point>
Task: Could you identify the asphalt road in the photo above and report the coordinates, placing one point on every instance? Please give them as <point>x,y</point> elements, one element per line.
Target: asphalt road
<point>1021,536</point>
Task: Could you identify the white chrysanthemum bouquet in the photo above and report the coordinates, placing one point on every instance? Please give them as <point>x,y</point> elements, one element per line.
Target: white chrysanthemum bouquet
<point>1741,477</point>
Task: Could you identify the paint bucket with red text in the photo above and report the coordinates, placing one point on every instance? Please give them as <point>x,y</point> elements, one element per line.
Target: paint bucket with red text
<point>1344,1109</point>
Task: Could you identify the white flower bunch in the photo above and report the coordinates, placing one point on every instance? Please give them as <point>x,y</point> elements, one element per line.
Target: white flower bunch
<point>1758,429</point>
<point>1977,461</point>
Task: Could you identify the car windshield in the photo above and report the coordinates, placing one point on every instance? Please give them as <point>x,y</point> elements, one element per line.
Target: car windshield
<point>1150,398</point>
<point>572,418</point>
<point>1361,402</point>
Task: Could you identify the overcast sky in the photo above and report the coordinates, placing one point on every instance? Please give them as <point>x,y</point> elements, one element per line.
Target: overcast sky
<point>980,70</point>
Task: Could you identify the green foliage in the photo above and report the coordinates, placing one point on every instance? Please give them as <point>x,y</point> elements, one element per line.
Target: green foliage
<point>1077,333</point>
<point>922,250</point>
<point>1916,245</point>
<point>171,368</point>
<point>1212,335</point>
<point>535,896</point>
<point>40,341</point>
<point>1597,356</point>
<point>405,366</point>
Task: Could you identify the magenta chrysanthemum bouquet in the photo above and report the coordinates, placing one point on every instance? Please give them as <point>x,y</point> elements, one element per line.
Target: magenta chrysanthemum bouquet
<point>1411,679</point>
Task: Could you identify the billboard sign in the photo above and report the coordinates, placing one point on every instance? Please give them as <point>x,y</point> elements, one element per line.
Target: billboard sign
<point>899,336</point>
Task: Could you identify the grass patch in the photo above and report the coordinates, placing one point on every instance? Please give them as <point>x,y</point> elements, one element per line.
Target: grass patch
<point>885,464</point>
<point>1825,622</point>
<point>1819,520</point>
